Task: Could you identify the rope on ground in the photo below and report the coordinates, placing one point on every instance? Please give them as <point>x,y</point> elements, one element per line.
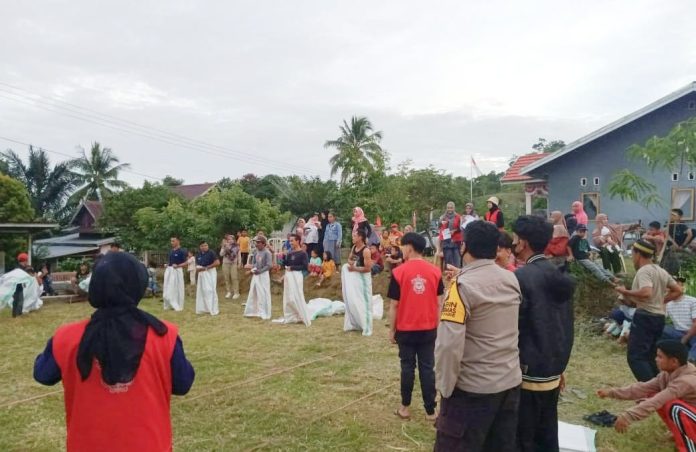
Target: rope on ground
<point>343,407</point>
<point>30,399</point>
<point>403,430</point>
<point>263,377</point>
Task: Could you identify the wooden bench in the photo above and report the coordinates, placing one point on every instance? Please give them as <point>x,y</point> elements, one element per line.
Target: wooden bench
<point>62,281</point>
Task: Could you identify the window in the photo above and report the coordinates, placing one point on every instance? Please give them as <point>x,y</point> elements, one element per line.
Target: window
<point>683,198</point>
<point>675,177</point>
<point>692,175</point>
<point>692,105</point>
<point>583,182</point>
<point>596,180</point>
<point>590,202</point>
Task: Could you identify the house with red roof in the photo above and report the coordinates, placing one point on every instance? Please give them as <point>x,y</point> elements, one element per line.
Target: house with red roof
<point>533,186</point>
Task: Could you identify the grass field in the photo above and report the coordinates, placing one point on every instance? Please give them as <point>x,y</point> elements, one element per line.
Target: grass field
<point>261,386</point>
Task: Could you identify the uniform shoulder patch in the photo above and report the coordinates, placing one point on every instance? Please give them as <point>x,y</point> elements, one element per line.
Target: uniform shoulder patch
<point>453,310</point>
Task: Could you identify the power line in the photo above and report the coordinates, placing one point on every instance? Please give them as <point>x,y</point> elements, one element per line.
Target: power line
<point>126,126</point>
<point>72,157</point>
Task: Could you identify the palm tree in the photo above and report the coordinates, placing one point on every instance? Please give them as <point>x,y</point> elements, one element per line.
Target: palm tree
<point>97,173</point>
<point>359,151</point>
<point>48,188</point>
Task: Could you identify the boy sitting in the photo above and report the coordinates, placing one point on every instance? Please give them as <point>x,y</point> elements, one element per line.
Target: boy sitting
<point>656,236</point>
<point>579,250</point>
<point>672,394</point>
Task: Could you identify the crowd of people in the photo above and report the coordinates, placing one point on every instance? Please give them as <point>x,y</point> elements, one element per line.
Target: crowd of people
<point>490,330</point>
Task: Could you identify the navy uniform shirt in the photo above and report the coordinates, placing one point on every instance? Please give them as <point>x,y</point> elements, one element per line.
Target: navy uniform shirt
<point>205,259</point>
<point>177,257</point>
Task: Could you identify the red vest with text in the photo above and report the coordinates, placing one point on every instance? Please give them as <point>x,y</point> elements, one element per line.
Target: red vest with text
<point>126,417</point>
<point>418,305</point>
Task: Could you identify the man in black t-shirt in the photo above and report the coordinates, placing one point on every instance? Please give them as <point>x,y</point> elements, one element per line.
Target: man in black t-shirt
<point>678,231</point>
<point>579,250</point>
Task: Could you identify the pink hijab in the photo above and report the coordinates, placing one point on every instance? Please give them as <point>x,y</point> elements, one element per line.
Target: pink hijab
<point>579,212</point>
<point>358,217</point>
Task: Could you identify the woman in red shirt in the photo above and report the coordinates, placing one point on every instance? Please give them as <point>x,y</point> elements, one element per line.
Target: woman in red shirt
<point>119,368</point>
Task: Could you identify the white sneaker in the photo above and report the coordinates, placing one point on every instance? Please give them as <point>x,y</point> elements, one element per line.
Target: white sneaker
<point>228,295</point>
<point>235,296</point>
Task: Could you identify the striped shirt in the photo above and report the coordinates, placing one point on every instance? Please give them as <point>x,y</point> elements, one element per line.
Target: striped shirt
<point>682,312</point>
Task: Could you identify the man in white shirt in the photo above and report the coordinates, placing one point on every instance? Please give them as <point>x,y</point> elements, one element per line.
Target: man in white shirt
<point>682,313</point>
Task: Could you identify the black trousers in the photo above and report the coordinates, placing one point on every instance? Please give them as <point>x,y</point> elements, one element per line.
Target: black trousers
<point>611,260</point>
<point>537,429</point>
<point>418,347</point>
<point>646,330</point>
<point>478,422</point>
<point>18,301</point>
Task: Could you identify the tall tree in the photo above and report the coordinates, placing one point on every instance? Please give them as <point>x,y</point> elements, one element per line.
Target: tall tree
<point>97,173</point>
<point>358,151</point>
<point>171,181</point>
<point>48,188</point>
<point>547,147</point>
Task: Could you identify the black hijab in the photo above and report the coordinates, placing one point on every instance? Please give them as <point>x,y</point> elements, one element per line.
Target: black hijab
<point>117,331</point>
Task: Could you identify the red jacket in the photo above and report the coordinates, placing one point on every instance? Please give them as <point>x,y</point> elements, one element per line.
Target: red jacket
<point>125,417</point>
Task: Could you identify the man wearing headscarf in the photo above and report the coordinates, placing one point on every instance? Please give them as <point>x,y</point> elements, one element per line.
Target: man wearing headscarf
<point>119,368</point>
<point>579,212</point>
<point>494,214</point>
<point>450,236</point>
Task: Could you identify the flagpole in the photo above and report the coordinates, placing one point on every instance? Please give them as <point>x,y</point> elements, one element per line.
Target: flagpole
<point>471,181</point>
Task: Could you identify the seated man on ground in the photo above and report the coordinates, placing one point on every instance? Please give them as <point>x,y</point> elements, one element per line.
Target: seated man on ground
<point>681,234</point>
<point>656,236</point>
<point>377,263</point>
<point>579,250</point>
<point>682,313</point>
<point>672,394</point>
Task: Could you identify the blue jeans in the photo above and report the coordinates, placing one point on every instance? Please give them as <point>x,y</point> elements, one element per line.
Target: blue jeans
<point>669,332</point>
<point>450,251</point>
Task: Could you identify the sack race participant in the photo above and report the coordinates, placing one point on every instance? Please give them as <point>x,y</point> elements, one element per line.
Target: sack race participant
<point>294,305</point>
<point>206,291</point>
<point>173,291</point>
<point>672,394</point>
<point>356,282</point>
<point>119,368</point>
<point>259,300</point>
<point>19,291</point>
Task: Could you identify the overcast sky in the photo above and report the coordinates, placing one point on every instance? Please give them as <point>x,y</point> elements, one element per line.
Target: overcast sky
<point>264,84</point>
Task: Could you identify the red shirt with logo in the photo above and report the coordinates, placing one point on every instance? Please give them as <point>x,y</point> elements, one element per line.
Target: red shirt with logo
<point>416,284</point>
<point>125,417</point>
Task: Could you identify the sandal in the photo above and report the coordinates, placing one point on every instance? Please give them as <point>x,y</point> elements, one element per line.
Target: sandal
<point>401,416</point>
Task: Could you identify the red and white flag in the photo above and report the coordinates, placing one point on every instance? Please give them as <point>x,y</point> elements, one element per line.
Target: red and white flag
<point>475,169</point>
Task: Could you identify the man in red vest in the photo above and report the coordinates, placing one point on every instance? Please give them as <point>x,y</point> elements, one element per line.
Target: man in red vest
<point>414,290</point>
<point>119,368</point>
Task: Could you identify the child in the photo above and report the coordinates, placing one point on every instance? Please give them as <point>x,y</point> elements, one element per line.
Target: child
<point>191,267</point>
<point>504,255</point>
<point>315,264</point>
<point>384,242</point>
<point>394,257</point>
<point>656,236</point>
<point>328,268</point>
<point>579,250</point>
<point>152,278</point>
<point>672,394</point>
<point>377,264</point>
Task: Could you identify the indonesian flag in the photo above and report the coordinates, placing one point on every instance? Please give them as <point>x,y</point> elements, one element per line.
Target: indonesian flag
<point>475,169</point>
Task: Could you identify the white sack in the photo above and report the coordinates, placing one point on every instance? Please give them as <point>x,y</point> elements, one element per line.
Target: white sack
<point>173,291</point>
<point>294,306</point>
<point>357,296</point>
<point>206,292</point>
<point>259,300</point>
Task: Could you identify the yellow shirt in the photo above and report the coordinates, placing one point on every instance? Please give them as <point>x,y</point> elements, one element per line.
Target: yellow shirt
<point>243,244</point>
<point>328,268</point>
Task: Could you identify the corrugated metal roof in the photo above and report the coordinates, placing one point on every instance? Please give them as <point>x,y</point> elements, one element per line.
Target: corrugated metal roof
<point>76,240</point>
<point>52,252</point>
<point>192,191</point>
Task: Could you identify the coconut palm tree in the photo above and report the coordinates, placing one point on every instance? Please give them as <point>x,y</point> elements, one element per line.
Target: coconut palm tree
<point>97,173</point>
<point>359,151</point>
<point>48,188</point>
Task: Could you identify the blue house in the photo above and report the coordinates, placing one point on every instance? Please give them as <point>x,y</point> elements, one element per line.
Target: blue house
<point>582,169</point>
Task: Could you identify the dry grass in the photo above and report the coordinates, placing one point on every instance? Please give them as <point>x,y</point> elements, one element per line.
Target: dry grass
<point>284,387</point>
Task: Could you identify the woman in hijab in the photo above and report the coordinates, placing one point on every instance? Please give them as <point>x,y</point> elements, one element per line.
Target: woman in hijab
<point>360,222</point>
<point>119,368</point>
<point>579,212</point>
<point>557,249</point>
<point>609,239</point>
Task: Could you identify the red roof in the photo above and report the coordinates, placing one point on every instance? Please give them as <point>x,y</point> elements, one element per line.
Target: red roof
<point>513,173</point>
<point>193,191</point>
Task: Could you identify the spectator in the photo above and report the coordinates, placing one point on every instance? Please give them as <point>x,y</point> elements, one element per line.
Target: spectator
<point>579,213</point>
<point>656,236</point>
<point>395,235</point>
<point>450,236</point>
<point>609,238</point>
<point>468,216</point>
<point>323,222</point>
<point>494,214</point>
<point>47,281</point>
<point>82,274</point>
<point>546,334</point>
<point>244,243</point>
<point>504,257</point>
<point>311,234</point>
<point>377,262</point>
<point>119,367</point>
<point>477,359</point>
<point>680,234</point>
<point>359,222</point>
<point>571,223</point>
<point>328,268</point>
<point>579,250</point>
<point>191,267</point>
<point>682,313</point>
<point>229,251</point>
<point>384,243</point>
<point>315,264</point>
<point>333,236</point>
<point>152,278</point>
<point>394,257</point>
<point>557,249</point>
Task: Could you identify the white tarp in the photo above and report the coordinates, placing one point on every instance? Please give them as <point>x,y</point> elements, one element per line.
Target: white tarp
<point>259,300</point>
<point>206,292</point>
<point>575,438</point>
<point>173,290</point>
<point>294,306</point>
<point>8,286</point>
<point>84,284</point>
<point>357,296</point>
<point>377,307</point>
<point>323,307</point>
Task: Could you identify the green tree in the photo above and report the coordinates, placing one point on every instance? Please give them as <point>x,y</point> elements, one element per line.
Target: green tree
<point>171,181</point>
<point>265,187</point>
<point>119,207</point>
<point>48,187</point>
<point>303,196</point>
<point>15,204</point>
<point>358,151</point>
<point>97,173</point>
<point>547,147</point>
